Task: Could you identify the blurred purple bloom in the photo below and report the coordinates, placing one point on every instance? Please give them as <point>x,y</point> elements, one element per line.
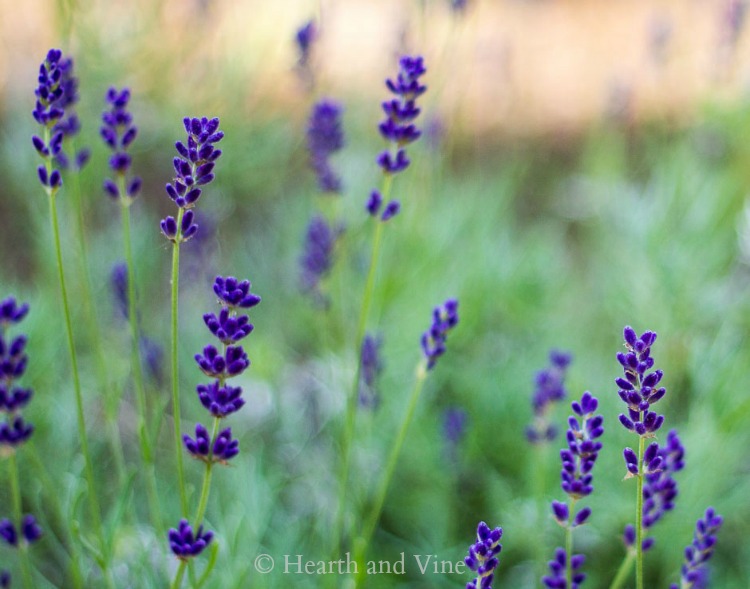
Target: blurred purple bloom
<point>444,318</point>
<point>694,571</point>
<point>317,257</point>
<point>371,367</point>
<point>118,133</point>
<point>558,566</point>
<point>550,389</point>
<point>325,137</point>
<point>305,37</point>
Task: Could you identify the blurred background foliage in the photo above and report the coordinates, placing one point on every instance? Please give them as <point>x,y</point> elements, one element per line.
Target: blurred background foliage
<point>584,166</point>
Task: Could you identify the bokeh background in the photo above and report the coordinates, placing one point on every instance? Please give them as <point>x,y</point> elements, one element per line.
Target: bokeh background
<point>585,165</point>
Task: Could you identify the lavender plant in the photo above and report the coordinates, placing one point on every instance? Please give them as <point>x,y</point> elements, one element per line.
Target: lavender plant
<point>317,257</point>
<point>550,389</point>
<point>324,138</point>
<point>444,319</point>
<point>639,389</point>
<point>15,431</point>
<point>118,133</point>
<point>194,169</point>
<point>694,572</point>
<point>578,460</point>
<point>399,129</point>
<point>482,558</point>
<point>49,110</point>
<point>220,399</point>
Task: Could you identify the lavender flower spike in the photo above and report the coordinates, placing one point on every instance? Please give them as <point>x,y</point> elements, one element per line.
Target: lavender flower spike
<point>118,133</point>
<point>557,568</point>
<point>193,169</point>
<point>317,258</point>
<point>550,389</point>
<point>639,389</point>
<point>694,570</point>
<point>482,557</point>
<point>324,138</point>
<point>49,110</point>
<point>372,366</point>
<point>444,319</point>
<point>14,431</point>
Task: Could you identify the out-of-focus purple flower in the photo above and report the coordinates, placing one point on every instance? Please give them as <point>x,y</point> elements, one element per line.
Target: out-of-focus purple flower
<point>324,138</point>
<point>732,22</point>
<point>305,37</point>
<point>459,5</point>
<point>444,318</point>
<point>639,389</point>
<point>317,257</point>
<point>193,169</point>
<point>118,280</point>
<point>482,558</point>
<point>14,431</point>
<point>454,425</point>
<point>659,35</point>
<point>4,579</point>
<point>371,367</point>
<point>69,124</point>
<point>550,389</point>
<point>153,355</point>
<point>694,571</point>
<point>557,566</point>
<point>29,531</point>
<point>184,544</point>
<point>118,133</point>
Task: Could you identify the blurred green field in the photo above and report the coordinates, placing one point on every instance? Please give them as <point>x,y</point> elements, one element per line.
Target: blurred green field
<point>547,242</point>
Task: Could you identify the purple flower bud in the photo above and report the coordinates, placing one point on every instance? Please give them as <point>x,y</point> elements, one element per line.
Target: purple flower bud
<point>184,544</point>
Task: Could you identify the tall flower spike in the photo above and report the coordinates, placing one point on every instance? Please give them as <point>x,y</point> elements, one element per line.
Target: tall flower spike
<point>444,318</point>
<point>557,566</point>
<point>324,138</point>
<point>482,558</point>
<point>550,389</point>
<point>118,133</point>
<point>70,125</point>
<point>398,127</point>
<point>694,570</point>
<point>639,388</point>
<point>317,257</point>
<point>579,458</point>
<point>14,431</point>
<point>193,169</point>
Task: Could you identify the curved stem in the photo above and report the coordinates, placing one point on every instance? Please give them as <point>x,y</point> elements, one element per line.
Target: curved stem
<point>351,404</point>
<point>639,518</point>
<point>623,572</point>
<point>15,489</point>
<point>140,394</point>
<point>363,542</point>
<point>175,367</point>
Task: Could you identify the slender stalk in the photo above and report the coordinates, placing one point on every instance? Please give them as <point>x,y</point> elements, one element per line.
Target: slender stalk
<point>15,489</point>
<point>351,404</point>
<point>177,582</point>
<point>175,367</point>
<point>206,488</point>
<point>363,542</point>
<point>623,572</point>
<point>569,546</point>
<point>639,518</point>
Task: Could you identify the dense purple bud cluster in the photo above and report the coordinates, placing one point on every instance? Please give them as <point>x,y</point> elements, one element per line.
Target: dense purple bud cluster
<point>482,558</point>
<point>118,133</point>
<point>398,128</point>
<point>69,125</point>
<point>694,572</point>
<point>317,257</point>
<point>579,458</point>
<point>550,389</point>
<point>370,369</point>
<point>324,138</point>
<point>14,431</point>
<point>444,318</point>
<point>185,544</point>
<point>193,169</point>
<point>234,293</point>
<point>639,388</point>
<point>557,567</point>
<point>49,110</point>
<point>221,450</point>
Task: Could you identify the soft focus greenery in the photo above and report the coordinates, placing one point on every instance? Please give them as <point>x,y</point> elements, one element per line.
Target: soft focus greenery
<point>547,244</point>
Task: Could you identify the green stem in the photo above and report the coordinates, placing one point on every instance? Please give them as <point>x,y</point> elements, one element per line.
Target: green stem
<point>368,529</point>
<point>15,489</point>
<point>140,394</point>
<point>639,518</point>
<point>351,404</point>
<point>177,582</point>
<point>175,366</point>
<point>569,546</point>
<point>206,488</point>
<point>624,571</point>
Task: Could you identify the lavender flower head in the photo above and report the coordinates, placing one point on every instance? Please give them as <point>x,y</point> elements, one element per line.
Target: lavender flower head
<point>557,566</point>
<point>639,388</point>
<point>29,531</point>
<point>454,425</point>
<point>69,125</point>
<point>118,133</point>
<point>184,544</point>
<point>371,367</point>
<point>48,111</point>
<point>317,257</point>
<point>550,389</point>
<point>482,558</point>
<point>14,431</point>
<point>444,318</point>
<point>193,169</point>
<point>324,138</point>
<point>694,571</point>
<point>398,128</point>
